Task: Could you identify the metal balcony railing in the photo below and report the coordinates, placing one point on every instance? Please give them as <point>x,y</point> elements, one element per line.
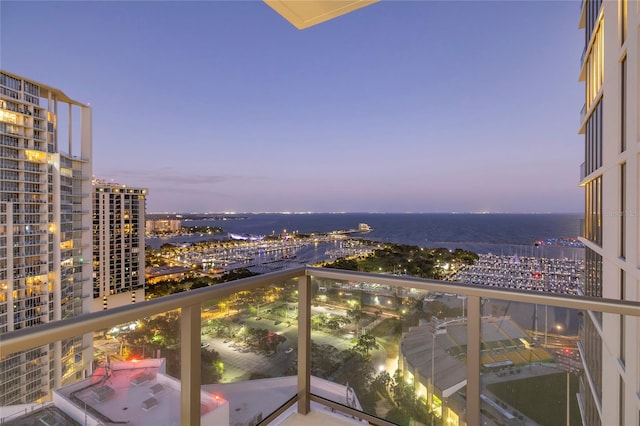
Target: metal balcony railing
<point>485,312</point>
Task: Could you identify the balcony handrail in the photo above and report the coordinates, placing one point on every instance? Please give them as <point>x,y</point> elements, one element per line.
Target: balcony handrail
<point>613,306</point>
<point>20,340</point>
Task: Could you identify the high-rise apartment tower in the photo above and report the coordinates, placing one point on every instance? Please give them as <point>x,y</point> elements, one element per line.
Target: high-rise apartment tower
<point>45,231</point>
<point>610,347</point>
<point>118,244</point>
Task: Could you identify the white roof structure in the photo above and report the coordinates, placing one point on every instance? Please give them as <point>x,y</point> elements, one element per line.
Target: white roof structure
<point>140,393</point>
<point>135,393</point>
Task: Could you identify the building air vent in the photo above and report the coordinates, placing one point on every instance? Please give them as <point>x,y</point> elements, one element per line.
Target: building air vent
<point>103,393</point>
<point>155,389</point>
<point>140,378</point>
<point>147,404</point>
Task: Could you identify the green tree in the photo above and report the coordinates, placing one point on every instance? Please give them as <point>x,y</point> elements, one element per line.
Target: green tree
<point>357,372</point>
<point>365,344</point>
<point>211,366</point>
<point>342,263</point>
<point>356,314</point>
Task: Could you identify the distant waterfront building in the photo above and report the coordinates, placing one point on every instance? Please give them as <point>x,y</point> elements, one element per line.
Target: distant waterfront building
<point>118,244</point>
<point>163,226</point>
<point>609,343</point>
<point>45,232</point>
<point>162,273</point>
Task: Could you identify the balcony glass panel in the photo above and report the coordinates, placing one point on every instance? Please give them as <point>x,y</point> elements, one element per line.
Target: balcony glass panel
<point>383,344</point>
<point>529,354</point>
<point>250,339</point>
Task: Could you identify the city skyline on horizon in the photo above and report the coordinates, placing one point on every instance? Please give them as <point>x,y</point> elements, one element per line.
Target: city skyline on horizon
<point>230,213</point>
<point>266,110</point>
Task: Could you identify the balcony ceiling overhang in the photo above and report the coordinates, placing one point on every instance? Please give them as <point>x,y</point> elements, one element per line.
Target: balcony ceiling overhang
<point>306,13</point>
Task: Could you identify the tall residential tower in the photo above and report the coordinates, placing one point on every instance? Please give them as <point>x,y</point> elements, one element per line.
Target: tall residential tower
<point>45,231</point>
<point>118,244</point>
<point>610,386</point>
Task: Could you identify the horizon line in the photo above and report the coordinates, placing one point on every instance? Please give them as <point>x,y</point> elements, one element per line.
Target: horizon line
<point>357,212</point>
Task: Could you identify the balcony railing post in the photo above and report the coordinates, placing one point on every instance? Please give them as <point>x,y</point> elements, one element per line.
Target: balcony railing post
<point>473,360</point>
<point>190,365</point>
<point>304,344</point>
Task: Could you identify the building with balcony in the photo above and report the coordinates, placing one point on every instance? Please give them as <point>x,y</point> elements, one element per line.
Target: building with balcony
<point>45,232</point>
<point>118,244</point>
<point>609,344</point>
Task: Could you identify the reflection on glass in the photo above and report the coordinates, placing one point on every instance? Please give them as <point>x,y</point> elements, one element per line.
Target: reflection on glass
<point>385,344</point>
<point>530,363</point>
<point>249,344</point>
<point>150,337</point>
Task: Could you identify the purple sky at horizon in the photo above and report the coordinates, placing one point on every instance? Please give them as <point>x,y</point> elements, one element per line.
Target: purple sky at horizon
<point>403,106</point>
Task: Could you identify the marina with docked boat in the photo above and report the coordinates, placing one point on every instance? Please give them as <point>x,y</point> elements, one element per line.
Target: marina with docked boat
<point>261,255</point>
<point>526,273</point>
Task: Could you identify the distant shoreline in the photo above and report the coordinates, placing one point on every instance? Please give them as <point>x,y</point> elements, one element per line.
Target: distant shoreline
<point>244,215</point>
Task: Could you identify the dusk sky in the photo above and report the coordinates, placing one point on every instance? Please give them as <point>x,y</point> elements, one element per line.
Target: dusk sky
<point>403,106</point>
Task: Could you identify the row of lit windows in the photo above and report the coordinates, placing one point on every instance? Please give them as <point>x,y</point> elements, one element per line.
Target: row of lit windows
<point>623,21</point>
<point>117,192</point>
<point>623,104</point>
<point>595,66</point>
<point>623,209</point>
<point>9,117</point>
<point>593,210</point>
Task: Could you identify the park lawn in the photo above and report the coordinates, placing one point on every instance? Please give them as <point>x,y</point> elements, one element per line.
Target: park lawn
<point>541,398</point>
